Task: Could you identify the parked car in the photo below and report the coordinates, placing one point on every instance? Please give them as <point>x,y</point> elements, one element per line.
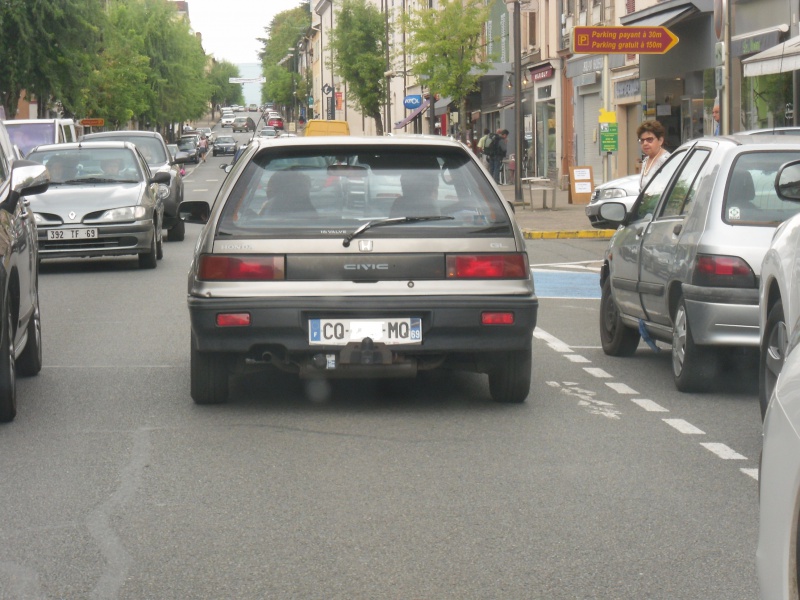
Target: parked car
<point>684,268</point>
<point>276,122</point>
<point>243,124</point>
<point>779,290</point>
<point>359,257</point>
<point>103,200</point>
<point>225,144</point>
<point>625,190</point>
<point>227,119</point>
<point>189,145</point>
<point>152,146</point>
<point>20,320</point>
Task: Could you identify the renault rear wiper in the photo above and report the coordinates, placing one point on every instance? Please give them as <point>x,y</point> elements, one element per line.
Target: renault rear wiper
<point>390,221</point>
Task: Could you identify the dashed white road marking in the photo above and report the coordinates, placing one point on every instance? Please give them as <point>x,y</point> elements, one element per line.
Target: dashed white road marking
<point>199,189</point>
<point>597,372</point>
<point>649,405</point>
<point>723,451</point>
<point>621,388</point>
<point>684,426</point>
<point>552,341</point>
<point>577,358</point>
<point>751,472</point>
<point>586,399</point>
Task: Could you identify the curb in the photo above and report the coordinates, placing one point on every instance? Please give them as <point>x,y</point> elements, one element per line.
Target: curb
<point>568,234</point>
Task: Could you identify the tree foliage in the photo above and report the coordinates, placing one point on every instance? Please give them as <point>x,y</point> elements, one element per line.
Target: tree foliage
<point>450,63</point>
<point>358,42</point>
<point>280,73</point>
<point>223,92</point>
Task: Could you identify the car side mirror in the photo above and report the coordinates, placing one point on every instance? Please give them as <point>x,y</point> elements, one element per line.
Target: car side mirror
<point>613,212</point>
<point>194,211</point>
<point>787,181</point>
<point>161,177</point>
<point>226,167</point>
<point>27,178</point>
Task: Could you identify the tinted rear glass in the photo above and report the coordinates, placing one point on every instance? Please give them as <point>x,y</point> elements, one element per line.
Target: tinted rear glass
<point>29,135</point>
<point>312,193</point>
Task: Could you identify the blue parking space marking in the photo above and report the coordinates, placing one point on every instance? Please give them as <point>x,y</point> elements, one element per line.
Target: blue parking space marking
<point>566,284</point>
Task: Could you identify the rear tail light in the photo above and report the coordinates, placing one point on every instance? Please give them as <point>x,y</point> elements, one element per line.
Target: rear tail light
<point>723,271</point>
<point>233,319</point>
<point>487,266</point>
<point>220,267</point>
<point>497,318</point>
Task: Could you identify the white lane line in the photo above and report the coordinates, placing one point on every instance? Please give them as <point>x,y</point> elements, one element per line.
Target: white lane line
<point>597,372</point>
<point>723,451</point>
<point>649,405</point>
<point>751,472</point>
<point>552,341</point>
<point>577,358</point>
<point>621,388</point>
<point>199,189</point>
<point>684,427</point>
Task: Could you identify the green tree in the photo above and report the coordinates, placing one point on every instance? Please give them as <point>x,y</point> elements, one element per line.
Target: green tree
<point>359,49</point>
<point>282,82</point>
<point>450,63</point>
<point>223,92</point>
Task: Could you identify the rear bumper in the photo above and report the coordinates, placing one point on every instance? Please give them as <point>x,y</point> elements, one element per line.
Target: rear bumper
<point>450,325</point>
<point>722,316</point>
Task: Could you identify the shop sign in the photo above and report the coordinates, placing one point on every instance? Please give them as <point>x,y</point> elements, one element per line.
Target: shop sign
<point>413,101</point>
<point>627,88</point>
<point>543,73</point>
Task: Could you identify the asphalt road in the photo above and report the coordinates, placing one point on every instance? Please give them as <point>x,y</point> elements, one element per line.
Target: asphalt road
<point>606,483</point>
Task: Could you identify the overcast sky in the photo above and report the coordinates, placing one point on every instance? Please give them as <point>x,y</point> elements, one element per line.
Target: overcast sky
<point>230,28</point>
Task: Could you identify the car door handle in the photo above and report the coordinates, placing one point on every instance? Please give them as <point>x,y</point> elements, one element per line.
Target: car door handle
<point>677,229</point>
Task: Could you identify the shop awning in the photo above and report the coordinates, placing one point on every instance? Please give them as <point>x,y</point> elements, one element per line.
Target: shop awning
<point>782,58</point>
<point>441,106</point>
<point>410,116</point>
<point>666,13</point>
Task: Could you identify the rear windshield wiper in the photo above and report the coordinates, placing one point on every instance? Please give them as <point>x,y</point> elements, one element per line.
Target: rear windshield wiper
<point>390,221</point>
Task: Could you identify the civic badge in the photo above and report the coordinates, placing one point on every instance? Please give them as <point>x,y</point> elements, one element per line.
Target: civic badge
<point>365,245</point>
<point>72,215</point>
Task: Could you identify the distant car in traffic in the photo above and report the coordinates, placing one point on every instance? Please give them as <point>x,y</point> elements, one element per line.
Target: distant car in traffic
<point>276,122</point>
<point>227,119</point>
<point>225,144</point>
<point>268,132</point>
<point>152,146</point>
<point>189,145</point>
<point>345,257</point>
<point>685,264</point>
<point>103,200</point>
<point>243,124</point>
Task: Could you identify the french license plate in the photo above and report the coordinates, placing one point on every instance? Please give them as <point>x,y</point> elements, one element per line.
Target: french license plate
<point>340,332</point>
<point>72,234</point>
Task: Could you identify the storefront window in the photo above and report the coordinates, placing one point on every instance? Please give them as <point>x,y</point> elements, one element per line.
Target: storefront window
<point>546,159</point>
<point>766,101</point>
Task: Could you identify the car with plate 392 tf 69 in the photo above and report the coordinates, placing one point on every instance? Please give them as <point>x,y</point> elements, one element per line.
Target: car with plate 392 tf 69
<point>343,257</point>
<point>102,201</point>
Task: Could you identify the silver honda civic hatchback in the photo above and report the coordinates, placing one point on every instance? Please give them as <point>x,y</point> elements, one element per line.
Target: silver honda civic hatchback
<point>348,257</point>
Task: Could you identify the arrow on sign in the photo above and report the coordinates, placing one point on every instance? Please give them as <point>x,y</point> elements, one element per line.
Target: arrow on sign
<point>622,40</point>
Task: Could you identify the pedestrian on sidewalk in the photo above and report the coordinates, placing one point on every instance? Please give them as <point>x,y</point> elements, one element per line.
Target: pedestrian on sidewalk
<point>495,149</point>
<point>651,138</point>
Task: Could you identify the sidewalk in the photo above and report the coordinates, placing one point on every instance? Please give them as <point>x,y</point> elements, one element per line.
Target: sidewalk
<point>565,221</point>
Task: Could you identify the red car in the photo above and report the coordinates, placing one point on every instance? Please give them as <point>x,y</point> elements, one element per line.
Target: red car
<point>275,122</point>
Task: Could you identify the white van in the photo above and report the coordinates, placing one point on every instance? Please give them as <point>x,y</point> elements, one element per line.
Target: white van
<point>29,133</point>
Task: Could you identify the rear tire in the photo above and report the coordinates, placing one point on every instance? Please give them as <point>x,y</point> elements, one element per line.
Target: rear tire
<point>616,338</point>
<point>177,232</point>
<point>693,367</point>
<point>8,372</point>
<point>510,377</point>
<point>29,362</point>
<point>773,353</point>
<point>209,376</point>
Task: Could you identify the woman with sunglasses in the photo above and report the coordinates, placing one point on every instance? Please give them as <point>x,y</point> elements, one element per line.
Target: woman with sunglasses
<point>651,138</point>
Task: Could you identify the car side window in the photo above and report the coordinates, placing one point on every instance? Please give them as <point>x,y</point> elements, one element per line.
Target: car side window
<point>4,168</point>
<point>682,193</point>
<point>655,187</point>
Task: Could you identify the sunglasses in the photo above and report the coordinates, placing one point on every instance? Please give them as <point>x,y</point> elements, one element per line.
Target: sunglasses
<point>648,140</point>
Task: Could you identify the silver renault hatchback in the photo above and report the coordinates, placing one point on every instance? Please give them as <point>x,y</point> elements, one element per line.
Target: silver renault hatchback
<point>348,257</point>
<point>684,267</point>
